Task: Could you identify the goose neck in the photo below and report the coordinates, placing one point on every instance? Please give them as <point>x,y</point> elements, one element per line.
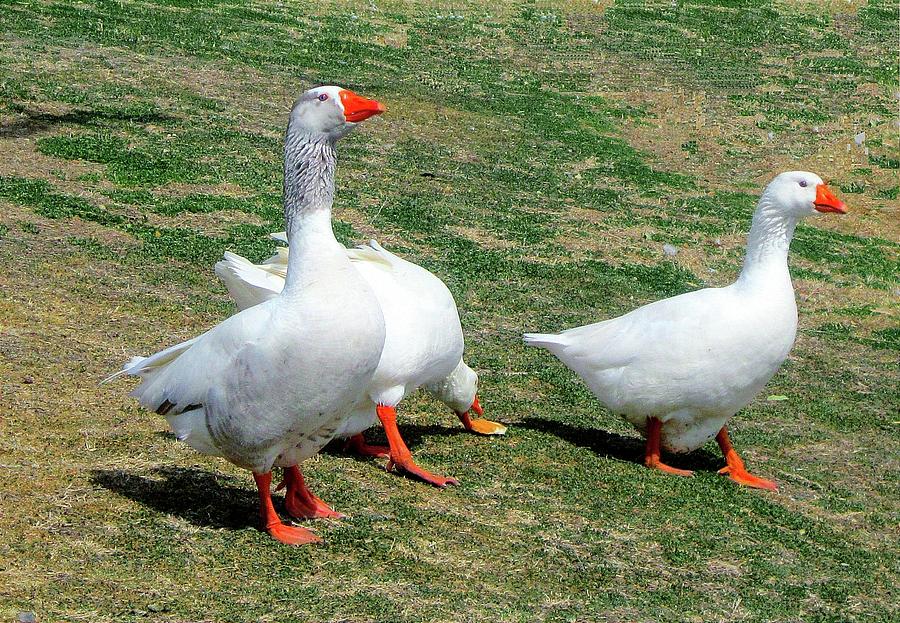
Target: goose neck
<point>309,164</point>
<point>315,252</point>
<point>768,243</point>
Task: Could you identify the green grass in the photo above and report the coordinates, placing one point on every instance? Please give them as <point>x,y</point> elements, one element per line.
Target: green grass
<point>141,140</point>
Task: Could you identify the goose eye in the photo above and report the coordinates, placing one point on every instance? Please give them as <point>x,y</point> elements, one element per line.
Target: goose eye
<point>324,97</point>
<point>802,183</point>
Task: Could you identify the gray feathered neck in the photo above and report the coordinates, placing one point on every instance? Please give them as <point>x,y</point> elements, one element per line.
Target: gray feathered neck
<point>309,164</point>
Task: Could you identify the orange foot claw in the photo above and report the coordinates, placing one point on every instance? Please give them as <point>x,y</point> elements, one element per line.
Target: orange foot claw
<point>743,477</point>
<point>412,470</point>
<point>291,535</point>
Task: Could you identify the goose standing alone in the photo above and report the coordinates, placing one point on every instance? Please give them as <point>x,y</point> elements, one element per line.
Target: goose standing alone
<point>273,383</point>
<point>423,345</point>
<point>680,368</point>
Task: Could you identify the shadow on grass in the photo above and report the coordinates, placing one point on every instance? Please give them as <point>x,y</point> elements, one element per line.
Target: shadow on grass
<point>615,446</point>
<point>412,434</point>
<point>35,121</point>
<point>194,494</point>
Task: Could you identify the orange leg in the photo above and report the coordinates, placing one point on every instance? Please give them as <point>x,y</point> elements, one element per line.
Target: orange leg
<point>651,457</point>
<point>401,457</point>
<point>299,501</point>
<point>734,467</point>
<point>480,426</point>
<point>358,445</point>
<point>290,535</point>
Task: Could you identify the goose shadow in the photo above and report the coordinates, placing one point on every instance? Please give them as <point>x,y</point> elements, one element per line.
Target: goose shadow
<point>203,498</point>
<point>413,435</point>
<point>615,446</point>
<point>35,122</point>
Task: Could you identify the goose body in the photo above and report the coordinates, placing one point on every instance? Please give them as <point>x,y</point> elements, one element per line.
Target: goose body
<point>692,361</point>
<point>224,392</point>
<point>426,339</point>
<point>423,343</point>
<point>680,368</point>
<point>273,383</point>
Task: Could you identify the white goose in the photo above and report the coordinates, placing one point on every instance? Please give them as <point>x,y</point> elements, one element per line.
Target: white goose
<point>272,384</point>
<point>680,368</point>
<point>423,344</point>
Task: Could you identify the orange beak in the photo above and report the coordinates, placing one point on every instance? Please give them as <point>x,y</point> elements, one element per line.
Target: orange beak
<point>358,108</point>
<point>827,202</point>
<point>476,407</point>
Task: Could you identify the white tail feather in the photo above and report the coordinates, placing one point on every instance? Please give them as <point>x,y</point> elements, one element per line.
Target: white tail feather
<point>134,361</point>
<point>373,252</point>
<point>550,341</point>
<point>141,366</point>
<point>247,283</point>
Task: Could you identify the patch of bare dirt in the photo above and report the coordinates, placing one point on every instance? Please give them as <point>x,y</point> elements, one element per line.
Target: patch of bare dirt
<point>55,232</point>
<point>680,120</point>
<point>482,238</point>
<point>207,223</point>
<point>19,157</point>
<point>222,189</point>
<point>829,7</point>
<point>826,301</point>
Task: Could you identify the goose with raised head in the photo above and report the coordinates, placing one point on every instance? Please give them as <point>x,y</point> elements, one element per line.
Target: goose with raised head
<point>423,345</point>
<point>272,384</point>
<point>680,368</point>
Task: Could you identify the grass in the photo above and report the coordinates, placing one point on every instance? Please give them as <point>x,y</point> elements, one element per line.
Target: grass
<point>538,158</point>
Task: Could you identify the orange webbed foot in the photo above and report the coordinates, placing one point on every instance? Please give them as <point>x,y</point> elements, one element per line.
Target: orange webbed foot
<point>743,477</point>
<point>409,468</point>
<point>358,445</point>
<point>311,507</point>
<point>652,452</point>
<point>300,502</point>
<point>735,466</point>
<point>292,535</point>
<point>289,535</point>
<point>657,464</point>
<point>401,457</point>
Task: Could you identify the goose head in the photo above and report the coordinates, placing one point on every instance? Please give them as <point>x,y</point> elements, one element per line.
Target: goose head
<point>799,194</point>
<point>459,390</point>
<point>330,111</point>
<point>460,393</point>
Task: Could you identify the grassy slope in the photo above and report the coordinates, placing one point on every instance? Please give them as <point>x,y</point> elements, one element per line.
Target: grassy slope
<point>536,157</point>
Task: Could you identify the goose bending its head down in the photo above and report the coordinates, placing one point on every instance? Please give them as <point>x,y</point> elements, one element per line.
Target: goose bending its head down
<point>273,383</point>
<point>680,368</point>
<point>423,345</point>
